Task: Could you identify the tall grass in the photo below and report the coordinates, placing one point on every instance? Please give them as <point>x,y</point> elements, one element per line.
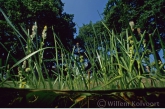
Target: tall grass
<point>112,57</point>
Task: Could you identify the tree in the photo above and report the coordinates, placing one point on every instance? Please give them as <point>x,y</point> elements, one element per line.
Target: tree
<point>147,15</point>
<point>24,13</point>
<point>91,31</point>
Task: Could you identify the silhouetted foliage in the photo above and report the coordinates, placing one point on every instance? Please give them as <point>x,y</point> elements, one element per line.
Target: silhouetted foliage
<point>147,15</point>
<point>24,13</point>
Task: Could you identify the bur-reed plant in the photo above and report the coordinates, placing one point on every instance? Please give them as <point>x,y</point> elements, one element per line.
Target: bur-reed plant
<point>112,57</point>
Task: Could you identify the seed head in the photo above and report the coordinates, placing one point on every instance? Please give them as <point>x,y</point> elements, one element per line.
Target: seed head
<point>139,31</point>
<point>130,37</point>
<point>66,69</point>
<point>34,30</point>
<point>81,60</point>
<point>44,32</point>
<point>81,57</point>
<point>27,69</point>
<point>131,23</point>
<point>131,42</point>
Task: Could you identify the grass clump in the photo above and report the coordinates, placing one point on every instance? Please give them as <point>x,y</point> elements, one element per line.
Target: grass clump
<point>116,63</point>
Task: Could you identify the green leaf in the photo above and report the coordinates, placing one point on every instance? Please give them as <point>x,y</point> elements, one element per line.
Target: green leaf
<point>28,56</point>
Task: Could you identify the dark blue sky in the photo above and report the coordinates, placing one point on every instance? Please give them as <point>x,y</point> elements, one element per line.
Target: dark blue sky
<point>84,10</point>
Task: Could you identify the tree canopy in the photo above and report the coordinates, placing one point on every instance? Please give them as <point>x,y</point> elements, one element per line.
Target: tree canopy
<point>24,13</point>
<point>147,15</point>
<point>91,31</point>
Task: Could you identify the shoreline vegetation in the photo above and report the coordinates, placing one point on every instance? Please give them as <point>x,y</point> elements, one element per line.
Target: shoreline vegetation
<point>122,68</point>
<point>113,67</point>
